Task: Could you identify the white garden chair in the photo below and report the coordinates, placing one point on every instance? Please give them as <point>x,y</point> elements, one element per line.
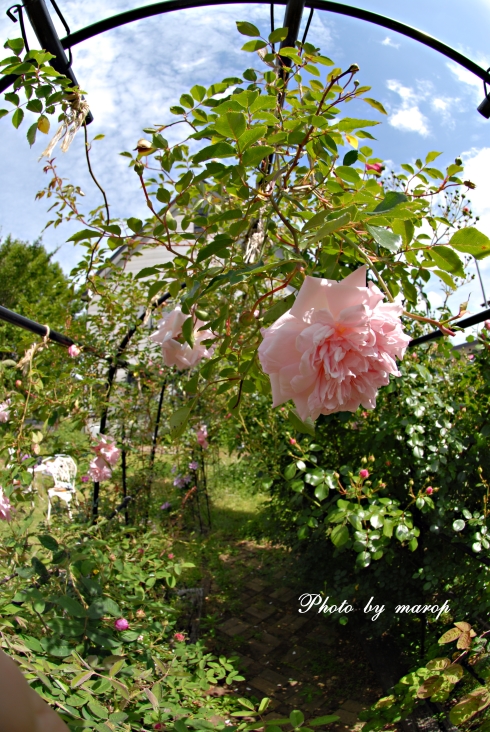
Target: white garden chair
<point>63,470</point>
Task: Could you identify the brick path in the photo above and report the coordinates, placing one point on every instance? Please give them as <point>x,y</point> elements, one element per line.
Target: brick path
<point>299,661</point>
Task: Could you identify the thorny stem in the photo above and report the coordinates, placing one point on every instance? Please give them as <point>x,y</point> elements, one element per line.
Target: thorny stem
<point>87,156</point>
<point>370,264</point>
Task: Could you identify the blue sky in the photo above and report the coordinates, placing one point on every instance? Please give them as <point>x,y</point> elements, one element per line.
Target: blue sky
<point>135,73</point>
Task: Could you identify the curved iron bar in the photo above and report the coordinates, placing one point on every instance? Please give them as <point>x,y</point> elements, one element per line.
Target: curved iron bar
<point>169,6</point>
<point>465,323</point>
<point>20,18</point>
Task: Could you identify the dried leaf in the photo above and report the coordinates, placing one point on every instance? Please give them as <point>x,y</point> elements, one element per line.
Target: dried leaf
<point>464,641</point>
<point>450,635</point>
<point>465,627</point>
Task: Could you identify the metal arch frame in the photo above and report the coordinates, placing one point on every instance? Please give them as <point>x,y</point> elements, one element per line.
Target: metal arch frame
<point>168,6</point>
<point>47,36</point>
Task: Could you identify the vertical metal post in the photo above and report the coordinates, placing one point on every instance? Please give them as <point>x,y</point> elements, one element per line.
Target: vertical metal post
<point>292,21</point>
<point>47,36</point>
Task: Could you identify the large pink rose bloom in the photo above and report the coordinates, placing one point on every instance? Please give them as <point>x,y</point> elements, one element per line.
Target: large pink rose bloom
<point>108,449</point>
<point>174,352</point>
<point>99,470</point>
<point>5,507</point>
<point>335,348</point>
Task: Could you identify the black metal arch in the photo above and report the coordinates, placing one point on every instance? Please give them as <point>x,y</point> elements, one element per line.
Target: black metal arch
<point>47,36</point>
<point>169,6</point>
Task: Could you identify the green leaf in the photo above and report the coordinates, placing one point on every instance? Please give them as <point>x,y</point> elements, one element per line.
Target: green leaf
<point>251,46</point>
<point>375,104</point>
<point>471,241</point>
<point>254,155</point>
<point>340,536</point>
<point>213,248</point>
<point>392,199</point>
<point>323,720</point>
<point>188,331</point>
<point>97,709</point>
<point>278,309</point>
<point>178,421</point>
<point>103,606</point>
<point>247,29</point>
<point>48,542</point>
<point>278,35</point>
<point>17,117</point>
<point>350,158</point>
<point>236,124</point>
<point>296,718</point>
<point>431,156</point>
<point>307,427</point>
<point>350,175</point>
<point>35,105</point>
<point>198,92</point>
<point>385,238</point>
<point>250,136</point>
<point>79,679</point>
<point>3,112</point>
<point>218,150</point>
<point>445,277</point>
<point>447,260</point>
<point>135,225</point>
<point>84,234</point>
<point>31,134</point>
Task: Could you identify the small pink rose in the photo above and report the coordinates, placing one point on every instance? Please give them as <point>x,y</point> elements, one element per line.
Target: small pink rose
<point>85,479</point>
<point>376,167</point>
<point>121,624</point>
<point>292,441</point>
<point>5,506</point>
<point>486,324</point>
<point>429,490</point>
<point>74,351</point>
<point>171,556</point>
<point>364,473</point>
<point>179,637</point>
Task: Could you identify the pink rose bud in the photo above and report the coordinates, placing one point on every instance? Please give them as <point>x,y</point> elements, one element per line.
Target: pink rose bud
<point>85,479</point>
<point>377,167</point>
<point>171,556</point>
<point>74,351</point>
<point>179,636</point>
<point>121,624</point>
<point>292,441</point>
<point>140,550</point>
<point>364,473</point>
<point>429,490</point>
<point>18,383</point>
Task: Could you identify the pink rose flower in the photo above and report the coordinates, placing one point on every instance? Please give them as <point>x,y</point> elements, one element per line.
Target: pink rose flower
<point>108,450</point>
<point>171,556</point>
<point>429,490</point>
<point>377,167</point>
<point>5,411</point>
<point>85,478</point>
<point>175,352</point>
<point>179,636</point>
<point>5,506</point>
<point>99,470</point>
<point>364,473</point>
<point>74,351</point>
<point>202,434</point>
<point>335,348</point>
<point>121,624</point>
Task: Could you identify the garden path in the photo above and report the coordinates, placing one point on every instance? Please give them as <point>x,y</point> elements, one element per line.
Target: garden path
<point>298,661</point>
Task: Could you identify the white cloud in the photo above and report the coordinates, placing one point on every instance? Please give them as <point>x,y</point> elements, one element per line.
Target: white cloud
<point>388,42</point>
<point>408,116</point>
